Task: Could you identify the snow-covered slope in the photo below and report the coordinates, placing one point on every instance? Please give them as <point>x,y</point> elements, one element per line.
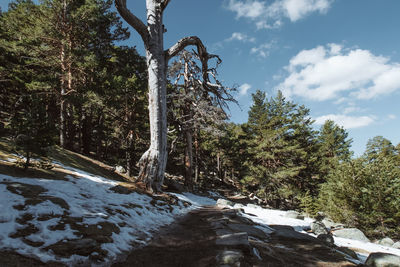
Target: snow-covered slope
<point>39,216</point>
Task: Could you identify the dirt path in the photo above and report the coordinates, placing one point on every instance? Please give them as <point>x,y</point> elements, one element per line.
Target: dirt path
<point>214,237</point>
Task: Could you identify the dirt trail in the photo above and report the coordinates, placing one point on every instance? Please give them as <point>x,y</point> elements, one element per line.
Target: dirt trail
<point>215,237</point>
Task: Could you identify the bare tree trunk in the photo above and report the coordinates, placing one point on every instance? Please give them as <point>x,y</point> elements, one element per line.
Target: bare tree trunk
<point>196,157</point>
<point>188,115</point>
<point>62,98</point>
<point>153,161</point>
<point>129,153</point>
<point>63,92</point>
<point>189,159</point>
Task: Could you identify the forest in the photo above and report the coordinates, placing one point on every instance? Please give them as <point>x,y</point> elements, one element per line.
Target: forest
<point>66,81</point>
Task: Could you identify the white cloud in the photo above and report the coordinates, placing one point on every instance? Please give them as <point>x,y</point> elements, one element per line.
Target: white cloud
<point>263,50</point>
<point>297,9</point>
<point>351,109</point>
<point>267,15</point>
<point>347,122</point>
<point>332,72</point>
<point>237,36</point>
<point>392,117</point>
<point>244,88</point>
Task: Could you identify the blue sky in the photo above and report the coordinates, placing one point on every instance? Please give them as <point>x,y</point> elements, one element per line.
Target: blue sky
<point>340,58</point>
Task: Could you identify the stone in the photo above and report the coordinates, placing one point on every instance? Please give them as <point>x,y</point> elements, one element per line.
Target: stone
<point>396,245</point>
<point>318,228</point>
<point>327,239</point>
<point>350,233</point>
<point>174,186</point>
<point>329,223</point>
<point>230,258</point>
<point>236,239</point>
<point>119,189</point>
<point>250,230</point>
<point>348,252</point>
<point>293,235</point>
<point>380,259</point>
<point>83,247</point>
<point>294,215</point>
<point>223,203</point>
<point>388,242</point>
<point>120,169</point>
<point>320,216</point>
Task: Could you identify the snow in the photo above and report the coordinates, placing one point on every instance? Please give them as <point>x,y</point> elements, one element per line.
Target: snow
<point>195,200</point>
<point>89,197</point>
<point>270,216</point>
<point>277,217</point>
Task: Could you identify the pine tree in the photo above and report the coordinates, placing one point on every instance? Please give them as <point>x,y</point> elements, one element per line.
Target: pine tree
<point>334,147</point>
<point>379,147</point>
<point>280,158</point>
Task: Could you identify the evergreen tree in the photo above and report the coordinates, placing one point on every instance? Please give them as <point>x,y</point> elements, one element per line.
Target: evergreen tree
<point>334,147</point>
<point>280,159</point>
<point>364,194</point>
<point>379,147</point>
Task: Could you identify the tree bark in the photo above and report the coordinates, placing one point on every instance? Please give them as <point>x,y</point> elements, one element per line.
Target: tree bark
<point>153,162</point>
<point>62,99</point>
<point>196,159</point>
<point>189,160</point>
<point>188,126</point>
<point>129,153</point>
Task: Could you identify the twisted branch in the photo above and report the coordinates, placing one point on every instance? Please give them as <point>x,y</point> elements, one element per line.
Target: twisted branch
<point>134,21</point>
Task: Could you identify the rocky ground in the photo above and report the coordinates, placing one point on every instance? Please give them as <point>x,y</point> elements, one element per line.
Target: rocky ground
<point>212,236</point>
<point>82,213</point>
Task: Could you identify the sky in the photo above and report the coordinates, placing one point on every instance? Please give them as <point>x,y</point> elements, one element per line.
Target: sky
<point>339,58</point>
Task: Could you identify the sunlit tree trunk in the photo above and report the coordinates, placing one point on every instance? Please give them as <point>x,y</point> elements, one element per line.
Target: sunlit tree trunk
<point>153,162</point>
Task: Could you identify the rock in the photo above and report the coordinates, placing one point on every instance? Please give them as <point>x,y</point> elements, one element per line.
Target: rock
<point>281,227</point>
<point>250,230</point>
<point>293,235</point>
<point>350,233</point>
<point>349,252</point>
<point>380,259</point>
<point>327,239</point>
<point>174,186</point>
<point>121,190</point>
<point>230,258</point>
<point>236,239</point>
<point>294,215</point>
<point>320,216</point>
<point>223,203</point>
<point>329,223</point>
<point>318,228</point>
<point>396,245</point>
<point>65,248</point>
<point>120,169</point>
<point>388,242</point>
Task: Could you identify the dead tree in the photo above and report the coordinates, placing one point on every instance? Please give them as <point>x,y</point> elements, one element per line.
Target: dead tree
<point>153,162</point>
<point>196,106</point>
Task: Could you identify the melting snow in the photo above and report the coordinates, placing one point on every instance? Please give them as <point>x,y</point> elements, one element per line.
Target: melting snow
<point>277,217</point>
<point>88,197</point>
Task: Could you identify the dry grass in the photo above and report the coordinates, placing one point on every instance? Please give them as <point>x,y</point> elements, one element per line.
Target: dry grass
<point>66,157</point>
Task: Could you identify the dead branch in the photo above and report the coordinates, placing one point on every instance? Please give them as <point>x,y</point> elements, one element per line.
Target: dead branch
<point>134,21</point>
